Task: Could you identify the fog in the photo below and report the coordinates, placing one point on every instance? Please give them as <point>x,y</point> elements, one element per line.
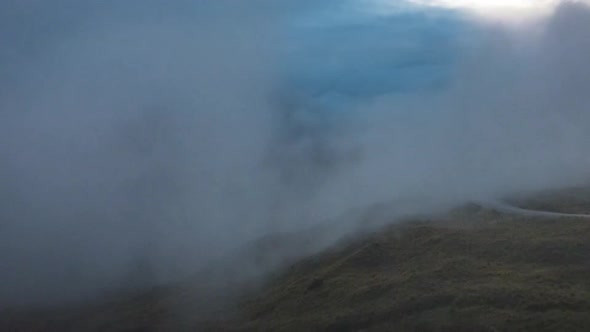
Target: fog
<point>168,134</point>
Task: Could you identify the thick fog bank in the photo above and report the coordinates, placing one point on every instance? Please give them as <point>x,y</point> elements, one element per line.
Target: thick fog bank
<point>141,139</point>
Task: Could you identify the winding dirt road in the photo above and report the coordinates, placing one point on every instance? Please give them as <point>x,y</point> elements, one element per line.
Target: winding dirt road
<point>507,208</point>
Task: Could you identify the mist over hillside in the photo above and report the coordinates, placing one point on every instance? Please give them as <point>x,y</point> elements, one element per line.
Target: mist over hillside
<point>162,135</point>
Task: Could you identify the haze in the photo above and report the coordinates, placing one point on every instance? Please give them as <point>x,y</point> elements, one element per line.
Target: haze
<point>169,133</point>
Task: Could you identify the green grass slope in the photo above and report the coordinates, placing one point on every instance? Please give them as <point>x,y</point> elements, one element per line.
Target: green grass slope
<point>514,275</point>
<point>472,270</point>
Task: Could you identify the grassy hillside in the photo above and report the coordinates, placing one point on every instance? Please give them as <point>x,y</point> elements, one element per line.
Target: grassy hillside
<point>472,270</point>
<point>529,276</point>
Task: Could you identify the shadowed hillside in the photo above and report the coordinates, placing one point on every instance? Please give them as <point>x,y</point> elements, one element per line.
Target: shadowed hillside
<point>529,276</point>
<point>472,270</point>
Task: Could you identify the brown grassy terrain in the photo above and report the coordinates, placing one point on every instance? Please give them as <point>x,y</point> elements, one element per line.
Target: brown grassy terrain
<point>473,270</point>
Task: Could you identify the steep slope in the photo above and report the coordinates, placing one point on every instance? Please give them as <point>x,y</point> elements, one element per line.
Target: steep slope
<point>474,269</point>
<point>513,275</point>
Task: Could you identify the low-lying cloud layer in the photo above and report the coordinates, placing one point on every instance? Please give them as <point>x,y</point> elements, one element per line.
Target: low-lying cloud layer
<point>170,133</point>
